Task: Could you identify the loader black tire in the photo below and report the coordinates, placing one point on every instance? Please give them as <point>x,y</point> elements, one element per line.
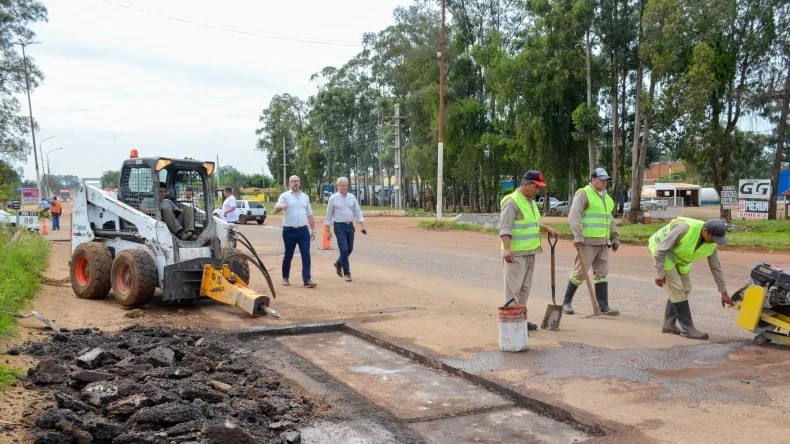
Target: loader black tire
<point>238,265</point>
<point>90,269</point>
<point>134,277</point>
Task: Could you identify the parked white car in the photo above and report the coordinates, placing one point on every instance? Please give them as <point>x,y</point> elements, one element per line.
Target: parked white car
<point>248,210</point>
<point>6,218</point>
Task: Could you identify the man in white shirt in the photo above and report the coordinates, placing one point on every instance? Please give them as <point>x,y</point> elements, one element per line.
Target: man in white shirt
<point>229,211</point>
<point>341,210</point>
<point>298,214</point>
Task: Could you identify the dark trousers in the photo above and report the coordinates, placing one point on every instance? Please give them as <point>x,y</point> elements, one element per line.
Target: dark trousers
<point>345,243</point>
<point>56,221</point>
<point>292,237</point>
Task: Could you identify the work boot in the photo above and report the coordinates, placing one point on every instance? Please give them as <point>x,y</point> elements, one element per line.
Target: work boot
<point>531,326</point>
<point>567,308</point>
<point>683,312</point>
<point>602,295</point>
<point>670,319</point>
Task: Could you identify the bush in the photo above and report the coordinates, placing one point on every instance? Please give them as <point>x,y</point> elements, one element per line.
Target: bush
<point>23,259</point>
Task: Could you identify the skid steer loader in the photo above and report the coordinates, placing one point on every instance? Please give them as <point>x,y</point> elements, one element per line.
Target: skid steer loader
<point>122,241</point>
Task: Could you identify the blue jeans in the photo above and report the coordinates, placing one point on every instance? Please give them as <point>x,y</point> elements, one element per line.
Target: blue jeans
<point>345,243</point>
<point>56,221</point>
<point>292,237</point>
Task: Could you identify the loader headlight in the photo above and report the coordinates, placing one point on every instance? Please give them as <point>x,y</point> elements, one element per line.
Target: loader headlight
<point>161,163</point>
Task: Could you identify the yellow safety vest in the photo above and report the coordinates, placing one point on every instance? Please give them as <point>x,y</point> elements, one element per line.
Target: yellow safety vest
<point>526,232</point>
<point>685,251</point>
<point>597,218</point>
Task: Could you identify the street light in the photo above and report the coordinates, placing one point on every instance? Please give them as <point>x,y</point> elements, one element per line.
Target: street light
<point>49,172</point>
<point>41,153</point>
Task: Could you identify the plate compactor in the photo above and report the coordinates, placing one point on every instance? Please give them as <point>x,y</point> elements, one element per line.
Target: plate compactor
<point>764,305</point>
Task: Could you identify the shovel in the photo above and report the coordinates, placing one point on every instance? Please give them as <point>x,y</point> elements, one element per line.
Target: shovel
<point>33,314</point>
<point>551,320</point>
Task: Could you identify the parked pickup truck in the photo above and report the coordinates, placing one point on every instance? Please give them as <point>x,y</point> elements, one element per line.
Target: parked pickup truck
<point>655,204</point>
<point>650,205</point>
<point>248,210</point>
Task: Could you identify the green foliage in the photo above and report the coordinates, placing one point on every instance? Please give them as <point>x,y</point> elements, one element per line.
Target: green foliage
<point>9,376</point>
<point>762,235</point>
<point>16,17</point>
<point>22,263</point>
<point>9,179</point>
<point>110,179</point>
<point>515,94</point>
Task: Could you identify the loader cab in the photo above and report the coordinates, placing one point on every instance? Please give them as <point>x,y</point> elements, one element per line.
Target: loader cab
<point>186,182</point>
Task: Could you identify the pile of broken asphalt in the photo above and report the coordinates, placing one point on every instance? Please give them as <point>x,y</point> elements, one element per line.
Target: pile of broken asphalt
<point>159,385</point>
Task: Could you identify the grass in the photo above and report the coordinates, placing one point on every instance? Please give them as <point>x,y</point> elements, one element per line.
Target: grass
<point>22,261</point>
<point>8,376</point>
<point>771,235</point>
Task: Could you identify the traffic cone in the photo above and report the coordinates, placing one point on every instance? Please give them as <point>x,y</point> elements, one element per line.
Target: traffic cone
<point>44,226</point>
<point>325,245</point>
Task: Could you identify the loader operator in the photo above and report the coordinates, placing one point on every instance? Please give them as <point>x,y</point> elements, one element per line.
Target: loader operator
<point>180,221</point>
<point>673,248</point>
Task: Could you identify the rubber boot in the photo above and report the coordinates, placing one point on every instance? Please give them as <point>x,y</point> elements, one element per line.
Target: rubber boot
<point>683,312</point>
<point>602,294</point>
<point>567,308</point>
<point>670,320</point>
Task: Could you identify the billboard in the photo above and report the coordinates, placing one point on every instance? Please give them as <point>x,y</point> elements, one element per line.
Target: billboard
<point>30,196</point>
<point>753,208</point>
<point>754,189</point>
<point>728,197</point>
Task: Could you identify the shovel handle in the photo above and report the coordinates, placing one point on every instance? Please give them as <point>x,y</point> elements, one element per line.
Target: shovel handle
<point>596,307</point>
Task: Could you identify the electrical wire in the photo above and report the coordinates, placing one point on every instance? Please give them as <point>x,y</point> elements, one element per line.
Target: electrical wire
<point>225,27</point>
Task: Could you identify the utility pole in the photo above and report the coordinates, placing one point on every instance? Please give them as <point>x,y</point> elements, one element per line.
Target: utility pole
<point>440,161</point>
<point>381,170</point>
<point>30,108</point>
<point>398,173</point>
<point>285,179</point>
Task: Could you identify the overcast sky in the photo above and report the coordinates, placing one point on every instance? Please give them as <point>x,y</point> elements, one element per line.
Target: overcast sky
<point>118,78</point>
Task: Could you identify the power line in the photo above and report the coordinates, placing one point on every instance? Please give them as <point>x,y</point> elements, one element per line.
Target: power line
<point>225,27</point>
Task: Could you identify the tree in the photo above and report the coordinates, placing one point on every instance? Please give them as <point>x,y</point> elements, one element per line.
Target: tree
<point>110,179</point>
<point>16,16</point>
<point>9,179</point>
<point>282,125</point>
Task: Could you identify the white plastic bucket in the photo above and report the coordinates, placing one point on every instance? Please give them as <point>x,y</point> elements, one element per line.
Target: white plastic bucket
<point>513,335</point>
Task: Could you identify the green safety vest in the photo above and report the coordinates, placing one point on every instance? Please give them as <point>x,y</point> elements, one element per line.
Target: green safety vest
<point>597,218</point>
<point>526,232</point>
<point>685,251</point>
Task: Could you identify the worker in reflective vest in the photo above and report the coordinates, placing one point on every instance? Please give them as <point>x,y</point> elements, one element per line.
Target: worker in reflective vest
<point>594,232</point>
<point>674,248</point>
<point>519,230</point>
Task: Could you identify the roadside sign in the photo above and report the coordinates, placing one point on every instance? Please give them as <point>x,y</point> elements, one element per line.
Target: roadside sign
<point>754,189</point>
<point>30,196</point>
<point>753,208</point>
<point>728,197</point>
<point>29,219</point>
<point>14,204</point>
